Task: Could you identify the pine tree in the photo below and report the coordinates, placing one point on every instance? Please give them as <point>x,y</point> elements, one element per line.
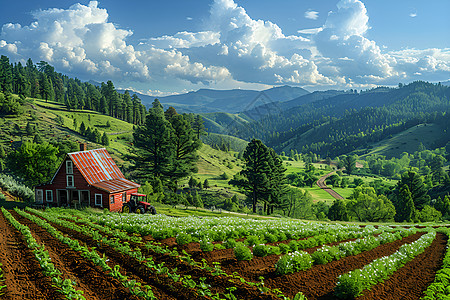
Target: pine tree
<point>105,139</point>
<point>198,126</point>
<point>404,205</point>
<point>185,145</point>
<point>197,200</point>
<point>255,179</point>
<point>82,128</point>
<point>277,179</point>
<point>206,184</point>
<point>417,188</point>
<point>154,149</point>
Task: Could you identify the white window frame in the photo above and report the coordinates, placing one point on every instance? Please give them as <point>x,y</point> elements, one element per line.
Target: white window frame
<point>40,196</point>
<point>101,200</point>
<point>69,167</point>
<point>47,193</point>
<point>67,181</point>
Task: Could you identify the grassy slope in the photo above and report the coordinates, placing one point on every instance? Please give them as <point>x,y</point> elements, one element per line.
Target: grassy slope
<point>407,141</point>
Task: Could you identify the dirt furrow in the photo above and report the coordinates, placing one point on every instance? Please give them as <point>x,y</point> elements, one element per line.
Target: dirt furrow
<point>89,278</point>
<point>410,281</point>
<point>219,284</point>
<point>319,281</point>
<point>23,274</point>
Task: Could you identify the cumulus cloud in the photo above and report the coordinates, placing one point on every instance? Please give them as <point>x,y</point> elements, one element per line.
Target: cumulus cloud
<point>81,41</point>
<point>311,14</point>
<point>232,50</point>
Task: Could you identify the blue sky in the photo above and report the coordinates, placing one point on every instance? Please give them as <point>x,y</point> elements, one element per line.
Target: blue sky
<point>166,47</point>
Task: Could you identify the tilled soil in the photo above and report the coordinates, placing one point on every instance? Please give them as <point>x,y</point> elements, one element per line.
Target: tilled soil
<point>410,281</point>
<point>94,283</point>
<point>23,274</point>
<point>174,290</point>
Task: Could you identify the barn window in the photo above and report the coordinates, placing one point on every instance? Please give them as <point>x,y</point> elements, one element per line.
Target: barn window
<point>124,197</point>
<point>49,195</point>
<point>69,167</point>
<point>39,196</point>
<point>111,198</point>
<point>98,199</point>
<point>70,180</point>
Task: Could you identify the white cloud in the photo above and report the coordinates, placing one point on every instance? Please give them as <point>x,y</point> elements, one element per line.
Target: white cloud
<point>232,50</point>
<point>413,14</point>
<point>311,14</point>
<point>186,40</point>
<point>310,30</point>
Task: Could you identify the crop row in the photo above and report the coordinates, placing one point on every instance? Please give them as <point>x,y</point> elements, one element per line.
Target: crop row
<point>300,260</point>
<point>186,281</point>
<point>65,286</point>
<point>440,288</point>
<point>353,284</point>
<point>135,287</point>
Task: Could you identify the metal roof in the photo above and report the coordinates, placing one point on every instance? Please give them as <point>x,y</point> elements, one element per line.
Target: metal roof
<point>100,170</point>
<point>116,185</point>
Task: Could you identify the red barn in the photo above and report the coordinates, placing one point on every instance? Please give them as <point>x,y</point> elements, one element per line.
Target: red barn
<point>87,178</point>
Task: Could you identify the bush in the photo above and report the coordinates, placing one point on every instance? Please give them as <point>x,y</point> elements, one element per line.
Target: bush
<point>183,238</point>
<point>284,248</point>
<point>293,262</point>
<point>241,252</point>
<point>270,238</point>
<point>252,240</point>
<point>293,245</point>
<point>206,246</point>
<point>260,250</point>
<point>230,243</point>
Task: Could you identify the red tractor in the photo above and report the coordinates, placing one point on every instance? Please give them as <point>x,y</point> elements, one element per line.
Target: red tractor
<point>138,205</point>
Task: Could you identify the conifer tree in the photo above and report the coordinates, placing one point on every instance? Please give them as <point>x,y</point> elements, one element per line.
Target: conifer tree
<point>255,180</point>
<point>154,150</point>
<point>198,126</point>
<point>404,206</point>
<point>417,188</point>
<point>105,139</point>
<point>206,184</point>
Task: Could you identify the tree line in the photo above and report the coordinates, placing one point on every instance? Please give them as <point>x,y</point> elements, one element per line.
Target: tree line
<point>42,81</point>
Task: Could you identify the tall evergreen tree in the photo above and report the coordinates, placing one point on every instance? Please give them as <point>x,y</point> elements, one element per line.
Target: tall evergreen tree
<point>105,139</point>
<point>277,179</point>
<point>404,206</point>
<point>255,180</point>
<point>198,126</point>
<point>417,188</point>
<point>154,150</point>
<point>185,145</point>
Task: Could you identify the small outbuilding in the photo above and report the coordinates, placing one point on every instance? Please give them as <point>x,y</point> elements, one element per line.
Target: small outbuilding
<point>87,178</point>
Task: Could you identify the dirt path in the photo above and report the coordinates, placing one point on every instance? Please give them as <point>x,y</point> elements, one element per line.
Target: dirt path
<point>89,278</point>
<point>323,186</point>
<point>23,275</point>
<point>412,280</point>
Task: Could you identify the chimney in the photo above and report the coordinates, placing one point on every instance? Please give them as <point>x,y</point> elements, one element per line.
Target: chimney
<point>83,146</point>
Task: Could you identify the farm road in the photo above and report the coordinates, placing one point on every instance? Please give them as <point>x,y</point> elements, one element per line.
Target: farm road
<point>323,186</point>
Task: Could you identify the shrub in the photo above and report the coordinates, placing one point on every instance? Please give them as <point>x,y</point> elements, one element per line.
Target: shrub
<point>252,240</point>
<point>270,238</point>
<point>260,250</point>
<point>230,243</point>
<point>219,246</point>
<point>293,245</point>
<point>241,252</point>
<point>206,246</point>
<point>284,248</point>
<point>293,262</point>
<point>183,238</point>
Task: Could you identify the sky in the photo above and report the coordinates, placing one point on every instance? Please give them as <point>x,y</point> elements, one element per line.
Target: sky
<point>167,47</point>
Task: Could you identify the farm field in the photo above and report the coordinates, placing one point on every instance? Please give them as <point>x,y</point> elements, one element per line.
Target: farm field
<point>71,254</point>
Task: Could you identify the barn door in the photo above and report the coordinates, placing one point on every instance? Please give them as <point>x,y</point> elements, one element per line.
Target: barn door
<point>84,198</point>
